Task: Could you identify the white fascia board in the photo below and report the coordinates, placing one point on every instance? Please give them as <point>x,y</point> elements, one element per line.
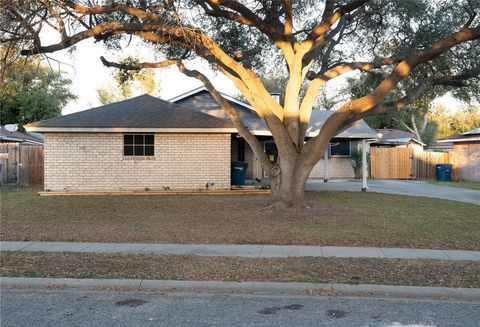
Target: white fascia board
<point>13,139</point>
<point>187,94</point>
<point>127,130</point>
<point>467,139</point>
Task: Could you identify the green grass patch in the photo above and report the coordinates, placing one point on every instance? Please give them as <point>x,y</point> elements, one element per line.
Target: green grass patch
<point>469,185</point>
<point>336,218</point>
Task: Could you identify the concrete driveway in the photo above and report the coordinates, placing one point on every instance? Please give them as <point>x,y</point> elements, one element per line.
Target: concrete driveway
<point>413,188</point>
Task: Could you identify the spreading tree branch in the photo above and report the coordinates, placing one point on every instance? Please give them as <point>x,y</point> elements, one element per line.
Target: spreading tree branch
<point>140,65</point>
<point>327,23</point>
<point>232,113</point>
<point>357,107</point>
<point>224,104</point>
<point>413,95</point>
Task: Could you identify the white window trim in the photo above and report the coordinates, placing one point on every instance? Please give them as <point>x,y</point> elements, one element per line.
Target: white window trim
<point>340,155</point>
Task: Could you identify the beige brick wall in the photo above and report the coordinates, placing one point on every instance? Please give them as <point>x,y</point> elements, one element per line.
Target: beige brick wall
<point>95,162</point>
<point>467,161</point>
<point>338,167</point>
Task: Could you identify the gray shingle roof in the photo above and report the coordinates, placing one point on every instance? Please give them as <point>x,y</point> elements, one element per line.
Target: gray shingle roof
<point>144,111</point>
<point>391,136</point>
<point>197,110</point>
<point>386,134</point>
<point>469,136</point>
<point>18,137</point>
<point>202,101</point>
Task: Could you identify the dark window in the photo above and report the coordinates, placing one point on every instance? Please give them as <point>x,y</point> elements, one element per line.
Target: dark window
<point>240,150</point>
<point>271,150</point>
<point>138,145</point>
<point>340,149</point>
<point>149,150</point>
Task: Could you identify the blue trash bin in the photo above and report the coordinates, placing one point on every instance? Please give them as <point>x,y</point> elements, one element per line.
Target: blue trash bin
<point>239,171</point>
<point>444,172</point>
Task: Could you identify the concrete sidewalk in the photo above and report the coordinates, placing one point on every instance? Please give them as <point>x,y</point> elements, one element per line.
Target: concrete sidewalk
<point>253,251</point>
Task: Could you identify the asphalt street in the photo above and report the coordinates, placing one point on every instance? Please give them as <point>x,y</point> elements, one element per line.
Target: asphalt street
<point>53,307</point>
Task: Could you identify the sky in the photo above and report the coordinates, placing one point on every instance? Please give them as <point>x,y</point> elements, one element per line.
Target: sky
<point>84,68</point>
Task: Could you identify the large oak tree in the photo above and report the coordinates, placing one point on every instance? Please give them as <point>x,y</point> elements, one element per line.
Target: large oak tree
<point>433,43</point>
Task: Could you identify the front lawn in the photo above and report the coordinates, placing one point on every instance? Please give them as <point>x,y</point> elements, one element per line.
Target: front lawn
<point>336,218</point>
<point>470,185</point>
<point>306,269</point>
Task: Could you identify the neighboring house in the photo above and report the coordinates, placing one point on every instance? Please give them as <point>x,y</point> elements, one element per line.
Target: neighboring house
<point>148,143</point>
<point>20,138</point>
<point>394,138</point>
<point>466,149</point>
<point>441,146</point>
<point>21,157</point>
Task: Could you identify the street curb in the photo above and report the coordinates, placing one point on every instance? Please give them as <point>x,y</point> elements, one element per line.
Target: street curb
<point>253,287</point>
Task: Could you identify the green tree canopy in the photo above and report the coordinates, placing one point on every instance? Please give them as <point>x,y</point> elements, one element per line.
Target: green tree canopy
<point>127,83</point>
<point>31,91</point>
<point>451,123</point>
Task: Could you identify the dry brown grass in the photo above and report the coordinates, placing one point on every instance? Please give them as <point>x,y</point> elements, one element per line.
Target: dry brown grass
<point>306,269</point>
<point>336,218</point>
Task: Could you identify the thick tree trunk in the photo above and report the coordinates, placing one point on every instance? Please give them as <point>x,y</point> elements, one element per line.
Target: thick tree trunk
<point>289,176</point>
<point>288,180</point>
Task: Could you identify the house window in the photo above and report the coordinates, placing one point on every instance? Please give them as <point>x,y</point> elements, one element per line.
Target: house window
<point>241,150</point>
<point>340,149</point>
<point>138,145</point>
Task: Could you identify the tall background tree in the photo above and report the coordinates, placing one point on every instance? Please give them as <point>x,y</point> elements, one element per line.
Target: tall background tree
<point>127,83</point>
<point>31,91</point>
<point>417,44</point>
<point>456,122</point>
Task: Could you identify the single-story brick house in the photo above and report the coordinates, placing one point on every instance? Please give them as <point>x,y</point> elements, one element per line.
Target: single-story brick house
<point>466,149</point>
<point>148,143</point>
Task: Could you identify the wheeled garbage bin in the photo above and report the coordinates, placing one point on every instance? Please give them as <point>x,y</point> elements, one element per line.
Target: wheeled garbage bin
<point>239,171</point>
<point>444,172</point>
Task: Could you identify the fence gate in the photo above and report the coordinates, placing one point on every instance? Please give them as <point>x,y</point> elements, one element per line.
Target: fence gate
<point>21,164</point>
<point>391,163</point>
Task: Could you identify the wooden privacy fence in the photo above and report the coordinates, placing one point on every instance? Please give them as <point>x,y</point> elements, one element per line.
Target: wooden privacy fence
<point>404,163</point>
<point>391,163</point>
<point>21,164</point>
<point>424,164</point>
